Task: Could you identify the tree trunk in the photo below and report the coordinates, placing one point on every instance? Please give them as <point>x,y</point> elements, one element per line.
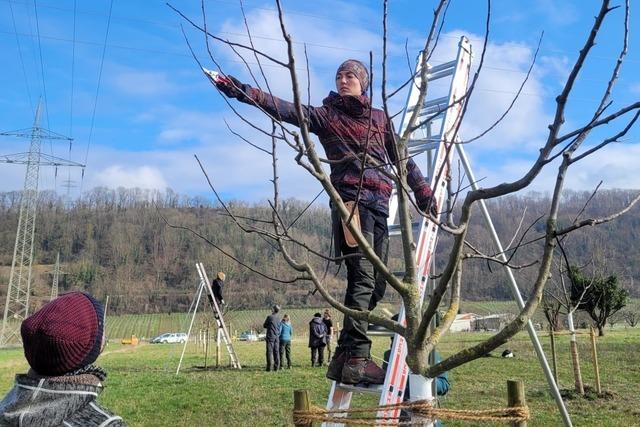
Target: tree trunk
<point>575,360</point>
<point>600,331</point>
<point>575,357</point>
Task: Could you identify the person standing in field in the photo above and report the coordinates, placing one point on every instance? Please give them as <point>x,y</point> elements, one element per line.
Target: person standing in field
<point>272,339</point>
<point>326,319</point>
<point>61,341</point>
<point>286,333</point>
<point>359,143</point>
<point>317,340</point>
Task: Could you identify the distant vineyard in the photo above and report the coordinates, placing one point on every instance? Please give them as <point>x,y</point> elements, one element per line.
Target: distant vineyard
<point>151,325</point>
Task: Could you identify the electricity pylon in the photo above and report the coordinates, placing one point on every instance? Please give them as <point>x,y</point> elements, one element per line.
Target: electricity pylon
<point>56,276</point>
<point>16,307</point>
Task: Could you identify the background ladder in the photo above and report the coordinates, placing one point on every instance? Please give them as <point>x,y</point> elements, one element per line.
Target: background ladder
<point>441,117</point>
<point>204,280</point>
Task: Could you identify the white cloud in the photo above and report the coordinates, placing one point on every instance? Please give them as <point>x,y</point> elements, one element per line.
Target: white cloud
<point>614,165</point>
<point>325,44</point>
<point>145,177</point>
<point>504,70</point>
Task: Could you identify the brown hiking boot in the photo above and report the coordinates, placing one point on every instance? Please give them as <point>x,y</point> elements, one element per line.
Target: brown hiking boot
<point>335,366</point>
<point>360,370</point>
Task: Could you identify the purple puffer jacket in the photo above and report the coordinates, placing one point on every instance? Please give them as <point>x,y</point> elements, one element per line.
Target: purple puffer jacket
<point>341,124</point>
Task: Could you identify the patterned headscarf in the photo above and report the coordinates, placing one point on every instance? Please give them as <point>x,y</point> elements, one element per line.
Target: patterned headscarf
<point>359,70</point>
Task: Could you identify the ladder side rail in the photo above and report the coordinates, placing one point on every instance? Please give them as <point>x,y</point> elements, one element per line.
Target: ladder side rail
<point>516,292</point>
<point>339,398</point>
<point>220,320</point>
<point>393,389</point>
<point>195,311</point>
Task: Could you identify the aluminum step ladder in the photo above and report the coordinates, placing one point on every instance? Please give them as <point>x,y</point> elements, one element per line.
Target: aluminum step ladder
<point>217,314</point>
<point>440,117</point>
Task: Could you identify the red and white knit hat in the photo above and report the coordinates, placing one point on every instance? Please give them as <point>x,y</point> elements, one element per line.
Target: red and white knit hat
<point>64,335</point>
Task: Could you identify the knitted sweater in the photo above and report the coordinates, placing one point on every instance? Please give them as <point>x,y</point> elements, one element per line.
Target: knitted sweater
<point>347,127</point>
<point>56,401</point>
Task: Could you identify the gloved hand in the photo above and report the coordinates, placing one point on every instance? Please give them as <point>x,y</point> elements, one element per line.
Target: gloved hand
<point>231,87</point>
<point>222,302</point>
<point>433,207</point>
<point>426,201</point>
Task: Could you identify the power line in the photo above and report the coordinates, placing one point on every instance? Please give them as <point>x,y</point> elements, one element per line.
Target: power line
<point>73,62</point>
<point>95,103</point>
<point>24,71</point>
<point>185,55</point>
<point>44,86</point>
<point>288,12</point>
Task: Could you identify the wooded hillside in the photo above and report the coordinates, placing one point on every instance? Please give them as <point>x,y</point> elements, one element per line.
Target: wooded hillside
<point>116,243</point>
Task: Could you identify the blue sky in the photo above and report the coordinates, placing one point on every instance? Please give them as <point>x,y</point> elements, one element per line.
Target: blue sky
<point>154,110</point>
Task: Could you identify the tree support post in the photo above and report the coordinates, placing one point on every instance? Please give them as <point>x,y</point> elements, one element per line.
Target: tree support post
<point>554,356</point>
<point>516,398</point>
<point>301,403</point>
<point>218,354</point>
<point>421,388</point>
<point>596,367</point>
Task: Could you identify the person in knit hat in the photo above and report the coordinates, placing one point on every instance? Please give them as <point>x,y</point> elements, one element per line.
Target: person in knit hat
<point>359,143</point>
<point>61,342</point>
<point>359,71</point>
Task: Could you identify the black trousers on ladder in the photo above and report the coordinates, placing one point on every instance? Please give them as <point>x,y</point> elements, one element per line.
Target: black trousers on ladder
<point>364,288</point>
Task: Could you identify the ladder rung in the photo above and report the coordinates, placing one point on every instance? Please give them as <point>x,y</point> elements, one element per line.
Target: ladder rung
<point>380,333</point>
<point>438,71</point>
<point>433,106</point>
<point>446,65</point>
<point>432,140</point>
<point>394,229</point>
<point>417,149</point>
<point>443,100</point>
<point>361,388</point>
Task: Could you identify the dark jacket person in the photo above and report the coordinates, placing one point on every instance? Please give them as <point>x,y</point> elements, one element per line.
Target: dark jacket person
<point>272,339</point>
<point>358,141</point>
<point>317,339</point>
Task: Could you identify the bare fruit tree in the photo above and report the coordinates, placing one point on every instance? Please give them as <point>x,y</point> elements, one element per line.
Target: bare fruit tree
<point>563,148</point>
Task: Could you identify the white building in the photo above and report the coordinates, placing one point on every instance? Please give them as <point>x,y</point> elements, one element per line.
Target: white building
<point>462,322</point>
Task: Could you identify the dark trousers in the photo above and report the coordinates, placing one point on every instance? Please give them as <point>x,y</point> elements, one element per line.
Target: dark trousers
<point>215,314</point>
<point>364,288</point>
<point>273,354</point>
<point>285,353</point>
<point>317,356</point>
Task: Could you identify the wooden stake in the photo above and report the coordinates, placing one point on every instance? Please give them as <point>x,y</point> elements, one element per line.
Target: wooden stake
<point>516,398</point>
<point>206,346</point>
<point>106,307</point>
<point>218,353</point>
<point>301,403</point>
<point>594,353</point>
<point>554,357</point>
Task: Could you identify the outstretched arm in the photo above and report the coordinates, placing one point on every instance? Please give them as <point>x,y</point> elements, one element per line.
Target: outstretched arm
<point>278,108</point>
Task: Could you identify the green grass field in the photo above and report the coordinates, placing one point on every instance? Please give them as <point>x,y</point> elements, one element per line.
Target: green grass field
<point>143,388</point>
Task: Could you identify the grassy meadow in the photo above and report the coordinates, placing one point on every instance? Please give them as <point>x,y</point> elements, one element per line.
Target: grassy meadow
<point>143,388</point>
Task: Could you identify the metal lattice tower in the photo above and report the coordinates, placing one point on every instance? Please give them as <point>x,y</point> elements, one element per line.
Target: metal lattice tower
<point>56,275</point>
<point>16,307</point>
